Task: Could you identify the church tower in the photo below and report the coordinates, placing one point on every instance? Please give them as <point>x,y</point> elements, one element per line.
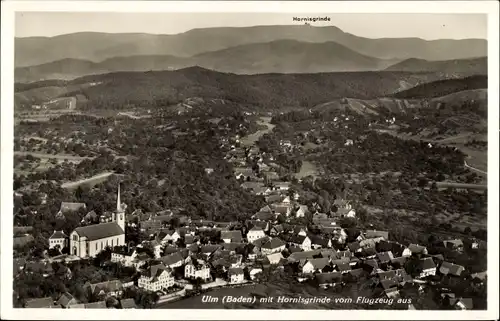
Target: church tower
<point>119,215</point>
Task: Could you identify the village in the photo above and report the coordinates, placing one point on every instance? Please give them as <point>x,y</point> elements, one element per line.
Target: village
<point>185,257</point>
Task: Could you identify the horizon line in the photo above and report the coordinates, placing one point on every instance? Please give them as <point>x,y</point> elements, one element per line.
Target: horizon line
<point>237,27</point>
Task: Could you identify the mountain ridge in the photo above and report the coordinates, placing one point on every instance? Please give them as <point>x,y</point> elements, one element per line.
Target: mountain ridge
<point>97,46</point>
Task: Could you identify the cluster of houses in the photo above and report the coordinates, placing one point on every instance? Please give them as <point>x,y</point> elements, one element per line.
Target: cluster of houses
<point>235,253</point>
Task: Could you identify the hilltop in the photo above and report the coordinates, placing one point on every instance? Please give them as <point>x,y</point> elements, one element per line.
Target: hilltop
<point>462,66</point>
<point>97,47</point>
<point>444,87</point>
<point>160,88</point>
<point>281,56</point>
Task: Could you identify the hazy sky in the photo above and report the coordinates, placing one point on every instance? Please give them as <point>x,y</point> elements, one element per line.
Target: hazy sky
<point>426,26</point>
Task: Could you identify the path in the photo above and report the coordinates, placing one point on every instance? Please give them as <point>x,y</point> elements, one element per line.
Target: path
<point>93,180</point>
<point>56,156</point>
<point>475,169</point>
<point>251,139</point>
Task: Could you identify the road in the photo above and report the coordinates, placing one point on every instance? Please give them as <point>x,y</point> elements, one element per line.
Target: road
<point>57,156</point>
<point>474,169</point>
<point>97,178</point>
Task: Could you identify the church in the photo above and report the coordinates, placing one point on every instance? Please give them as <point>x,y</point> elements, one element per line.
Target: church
<point>88,241</point>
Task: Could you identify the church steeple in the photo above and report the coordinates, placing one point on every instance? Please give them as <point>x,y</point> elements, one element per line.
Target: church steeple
<point>118,201</point>
<point>119,215</point>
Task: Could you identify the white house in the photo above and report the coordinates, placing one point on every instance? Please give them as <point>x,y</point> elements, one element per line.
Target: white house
<point>301,211</point>
<point>274,245</point>
<point>313,265</point>
<point>155,278</point>
<point>170,235</point>
<point>253,272</point>
<point>254,234</point>
<point>58,238</point>
<point>427,267</point>
<point>236,275</point>
<point>304,242</point>
<point>274,258</point>
<point>173,260</point>
<point>199,269</point>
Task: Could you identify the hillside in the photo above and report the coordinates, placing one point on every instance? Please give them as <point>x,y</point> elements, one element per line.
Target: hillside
<point>444,87</point>
<point>462,66</point>
<point>288,56</point>
<point>97,47</point>
<point>282,56</point>
<point>160,88</point>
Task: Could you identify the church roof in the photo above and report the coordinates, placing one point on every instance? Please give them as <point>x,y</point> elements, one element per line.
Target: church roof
<point>99,231</point>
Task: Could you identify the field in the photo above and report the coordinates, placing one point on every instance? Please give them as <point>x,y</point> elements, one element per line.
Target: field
<point>91,181</point>
<point>251,139</point>
<point>307,169</point>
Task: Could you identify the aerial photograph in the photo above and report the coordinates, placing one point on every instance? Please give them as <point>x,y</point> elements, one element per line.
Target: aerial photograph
<point>250,161</point>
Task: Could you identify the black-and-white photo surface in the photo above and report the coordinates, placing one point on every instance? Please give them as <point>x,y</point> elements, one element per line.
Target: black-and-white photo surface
<point>242,160</point>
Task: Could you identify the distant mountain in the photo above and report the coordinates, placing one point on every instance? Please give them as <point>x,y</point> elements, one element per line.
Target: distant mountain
<point>161,88</point>
<point>444,87</point>
<point>464,66</point>
<point>97,47</point>
<point>281,56</point>
<point>288,56</point>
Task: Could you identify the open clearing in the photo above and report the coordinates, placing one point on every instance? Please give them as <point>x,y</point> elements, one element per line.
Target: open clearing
<point>251,139</point>
<point>91,181</point>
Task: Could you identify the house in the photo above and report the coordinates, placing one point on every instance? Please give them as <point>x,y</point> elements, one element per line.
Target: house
<point>318,242</point>
<point>385,257</point>
<point>253,272</point>
<point>281,186</point>
<point>243,173</point>
<point>304,242</point>
<point>298,256</point>
<point>156,277</point>
<point>41,303</point>
<point>396,248</point>
<point>281,209</point>
<point>417,249</point>
<point>300,230</point>
<point>58,238</point>
<point>236,275</point>
<point>90,217</point>
<point>464,304</point>
<point>254,234</point>
<point>277,230</point>
<point>372,234</point>
<point>426,267</point>
<point>343,266</point>
<point>67,207</point>
<point>399,261</point>
<point>325,280</point>
<point>275,258</point>
<point>173,260</point>
<point>128,304</point>
<point>270,175</point>
<point>169,235</point>
<point>197,269</point>
<point>231,236</point>
<point>345,212</point>
<point>273,245</point>
<point>456,245</point>
<point>315,265</point>
<point>450,268</point>
<point>264,216</point>
<point>107,288</point>
<point>88,241</point>
<point>342,203</point>
<point>301,211</point>
<point>66,299</point>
